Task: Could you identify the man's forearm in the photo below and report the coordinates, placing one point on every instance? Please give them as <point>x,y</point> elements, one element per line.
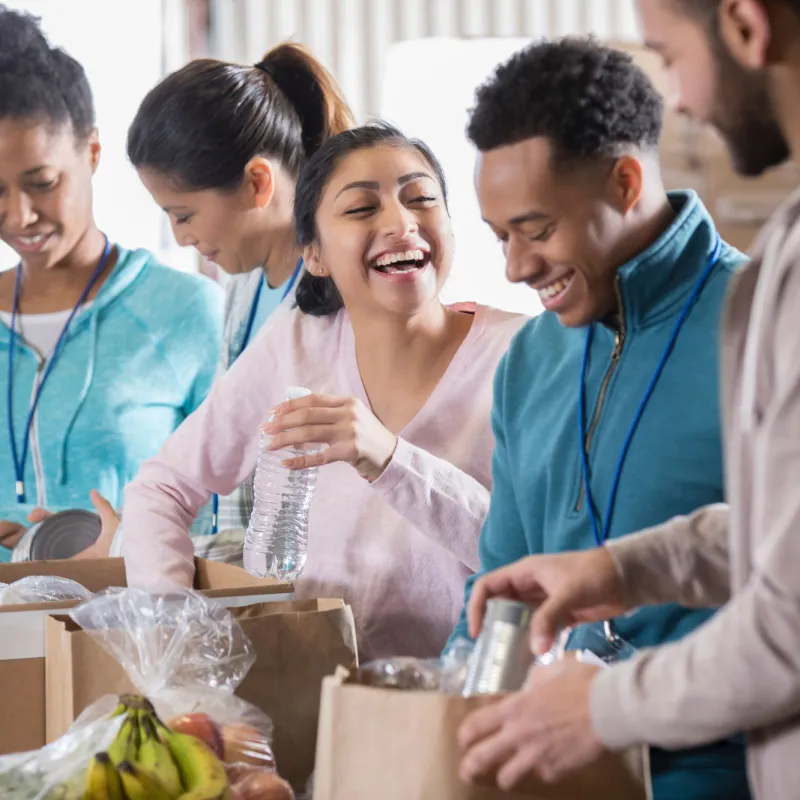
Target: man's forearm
<point>682,561</point>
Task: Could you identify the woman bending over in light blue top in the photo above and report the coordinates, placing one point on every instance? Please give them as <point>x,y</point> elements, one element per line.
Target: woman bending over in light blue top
<point>219,146</point>
<point>103,352</point>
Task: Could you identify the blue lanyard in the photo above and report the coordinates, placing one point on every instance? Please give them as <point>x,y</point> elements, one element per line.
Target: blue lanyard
<point>251,318</point>
<point>248,331</point>
<point>19,463</point>
<point>599,537</point>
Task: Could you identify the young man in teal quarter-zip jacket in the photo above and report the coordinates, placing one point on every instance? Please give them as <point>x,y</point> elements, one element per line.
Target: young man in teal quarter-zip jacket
<point>606,414</point>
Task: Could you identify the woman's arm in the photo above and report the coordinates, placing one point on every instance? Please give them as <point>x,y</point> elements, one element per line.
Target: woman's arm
<point>211,452</point>
<point>437,498</point>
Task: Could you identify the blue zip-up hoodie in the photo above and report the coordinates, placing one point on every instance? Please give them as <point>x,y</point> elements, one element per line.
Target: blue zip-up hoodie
<point>135,363</point>
<point>673,466</point>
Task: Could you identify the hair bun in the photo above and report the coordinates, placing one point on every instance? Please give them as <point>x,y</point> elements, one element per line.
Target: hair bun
<point>23,47</point>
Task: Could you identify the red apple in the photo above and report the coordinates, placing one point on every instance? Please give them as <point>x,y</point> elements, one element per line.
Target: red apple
<point>259,784</point>
<point>201,726</point>
<point>243,744</point>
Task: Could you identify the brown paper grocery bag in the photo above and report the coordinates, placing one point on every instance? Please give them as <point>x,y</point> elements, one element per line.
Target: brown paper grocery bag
<point>297,644</point>
<point>396,745</point>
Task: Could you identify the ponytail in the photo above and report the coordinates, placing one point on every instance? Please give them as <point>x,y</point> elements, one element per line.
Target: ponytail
<point>202,124</point>
<point>312,91</point>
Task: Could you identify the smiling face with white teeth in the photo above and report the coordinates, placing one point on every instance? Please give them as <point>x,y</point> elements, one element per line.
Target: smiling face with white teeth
<point>383,231</point>
<point>565,232</point>
<point>45,189</point>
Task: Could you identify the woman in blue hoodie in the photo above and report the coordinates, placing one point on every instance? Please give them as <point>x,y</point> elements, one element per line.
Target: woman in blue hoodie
<point>103,352</point>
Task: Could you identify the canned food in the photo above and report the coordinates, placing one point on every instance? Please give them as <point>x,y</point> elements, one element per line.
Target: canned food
<point>59,536</point>
<point>502,655</point>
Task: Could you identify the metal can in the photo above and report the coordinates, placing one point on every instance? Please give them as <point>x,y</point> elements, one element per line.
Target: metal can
<point>59,536</point>
<point>502,655</point>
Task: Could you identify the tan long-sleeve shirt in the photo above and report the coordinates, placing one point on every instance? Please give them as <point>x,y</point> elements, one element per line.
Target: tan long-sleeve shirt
<point>740,671</point>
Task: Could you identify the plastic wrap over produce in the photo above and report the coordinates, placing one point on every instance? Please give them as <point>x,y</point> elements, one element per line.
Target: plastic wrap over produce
<point>41,589</point>
<point>183,734</point>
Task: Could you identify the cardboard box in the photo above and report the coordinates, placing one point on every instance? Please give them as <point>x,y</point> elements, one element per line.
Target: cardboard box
<point>22,632</point>
<point>398,745</point>
<point>693,156</point>
<point>297,644</point>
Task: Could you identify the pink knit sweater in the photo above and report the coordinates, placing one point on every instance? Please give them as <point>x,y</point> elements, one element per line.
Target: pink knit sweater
<point>399,549</point>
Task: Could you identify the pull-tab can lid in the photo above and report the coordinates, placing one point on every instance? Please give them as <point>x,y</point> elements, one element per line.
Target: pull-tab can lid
<point>296,392</point>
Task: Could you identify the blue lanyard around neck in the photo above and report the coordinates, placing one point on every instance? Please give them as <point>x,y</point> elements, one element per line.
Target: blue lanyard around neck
<point>251,317</point>
<point>601,536</point>
<point>248,332</point>
<point>19,462</point>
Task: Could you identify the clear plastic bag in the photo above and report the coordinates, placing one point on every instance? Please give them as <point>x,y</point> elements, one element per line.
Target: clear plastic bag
<point>592,642</point>
<point>41,589</point>
<point>445,674</point>
<point>50,773</point>
<point>404,673</point>
<point>181,650</point>
<point>185,655</point>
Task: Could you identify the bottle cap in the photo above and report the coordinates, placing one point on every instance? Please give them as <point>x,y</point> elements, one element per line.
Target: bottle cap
<point>296,392</point>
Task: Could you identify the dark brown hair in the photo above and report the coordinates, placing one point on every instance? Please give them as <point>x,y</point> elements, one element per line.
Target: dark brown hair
<point>202,124</point>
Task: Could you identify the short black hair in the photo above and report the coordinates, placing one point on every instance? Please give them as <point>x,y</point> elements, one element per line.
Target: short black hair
<point>319,296</point>
<point>38,82</point>
<point>589,100</point>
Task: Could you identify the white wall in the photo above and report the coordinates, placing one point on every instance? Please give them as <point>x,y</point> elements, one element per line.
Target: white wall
<point>124,47</point>
<point>439,117</point>
<point>353,37</point>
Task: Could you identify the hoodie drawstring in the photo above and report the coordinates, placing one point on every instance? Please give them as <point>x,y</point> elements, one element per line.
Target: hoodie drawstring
<point>87,384</point>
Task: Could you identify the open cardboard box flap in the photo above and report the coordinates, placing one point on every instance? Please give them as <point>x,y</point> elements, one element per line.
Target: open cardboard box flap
<point>213,578</point>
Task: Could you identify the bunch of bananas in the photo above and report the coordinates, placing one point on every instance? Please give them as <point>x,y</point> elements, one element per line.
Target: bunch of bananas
<point>149,760</point>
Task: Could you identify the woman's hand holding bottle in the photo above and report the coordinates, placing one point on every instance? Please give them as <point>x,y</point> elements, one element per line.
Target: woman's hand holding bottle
<point>351,431</point>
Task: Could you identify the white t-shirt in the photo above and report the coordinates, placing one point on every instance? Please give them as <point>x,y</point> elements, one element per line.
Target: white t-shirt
<point>40,330</point>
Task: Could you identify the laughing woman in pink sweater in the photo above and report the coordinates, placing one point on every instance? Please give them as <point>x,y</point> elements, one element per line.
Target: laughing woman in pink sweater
<point>402,396</point>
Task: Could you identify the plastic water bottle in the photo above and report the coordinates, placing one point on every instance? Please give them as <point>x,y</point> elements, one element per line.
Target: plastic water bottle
<point>276,544</point>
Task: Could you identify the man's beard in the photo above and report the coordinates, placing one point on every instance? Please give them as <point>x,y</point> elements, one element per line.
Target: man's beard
<point>745,118</point>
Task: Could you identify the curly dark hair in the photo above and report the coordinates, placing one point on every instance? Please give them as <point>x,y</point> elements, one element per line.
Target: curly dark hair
<point>39,82</point>
<point>589,100</point>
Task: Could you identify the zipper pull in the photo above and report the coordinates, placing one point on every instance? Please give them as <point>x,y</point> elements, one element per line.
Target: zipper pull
<point>617,346</point>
